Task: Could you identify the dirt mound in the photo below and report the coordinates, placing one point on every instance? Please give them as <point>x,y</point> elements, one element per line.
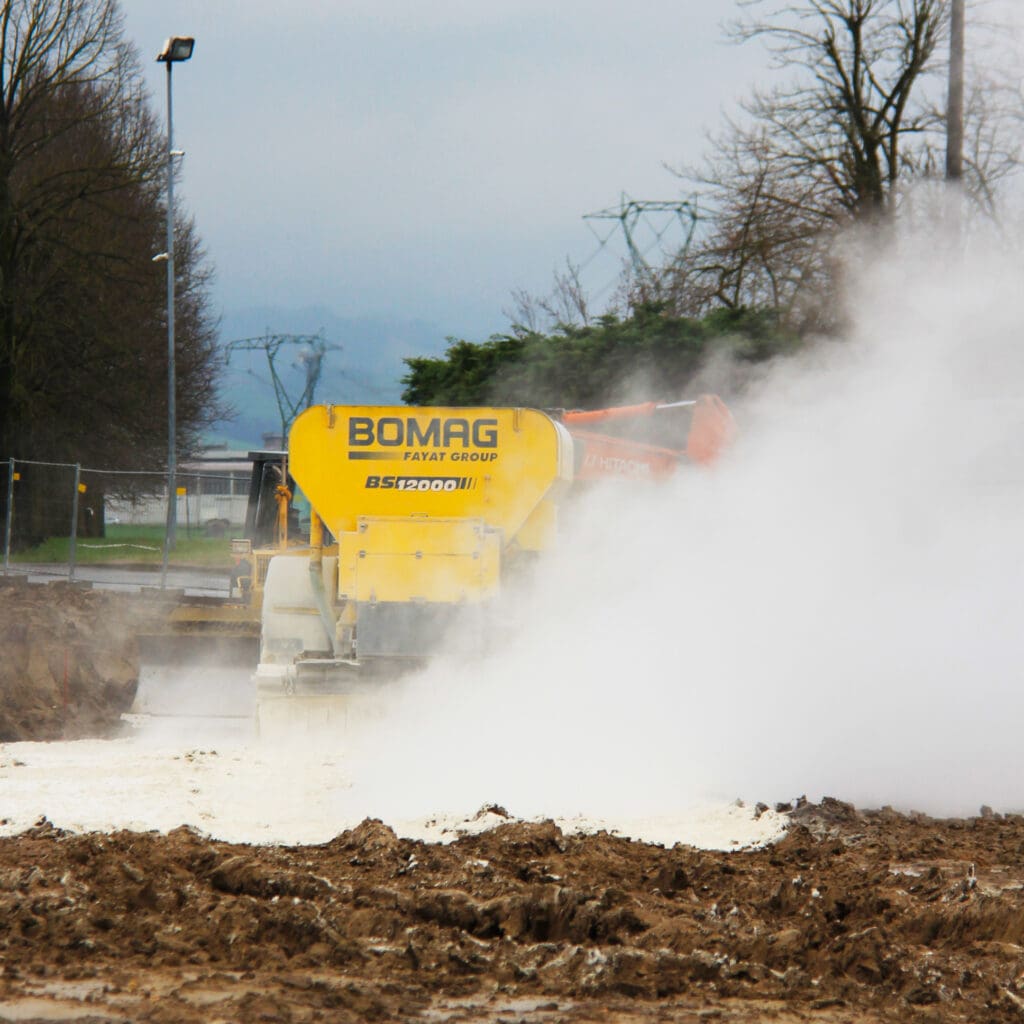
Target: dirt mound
<point>869,916</point>
<point>70,664</point>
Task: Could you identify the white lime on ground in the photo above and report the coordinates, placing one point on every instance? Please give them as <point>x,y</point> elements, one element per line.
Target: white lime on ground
<point>242,791</point>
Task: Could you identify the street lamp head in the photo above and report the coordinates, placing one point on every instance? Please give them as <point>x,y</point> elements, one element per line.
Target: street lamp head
<point>177,48</point>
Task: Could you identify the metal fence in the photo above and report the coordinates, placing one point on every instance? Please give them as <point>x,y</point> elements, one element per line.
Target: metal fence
<point>71,521</point>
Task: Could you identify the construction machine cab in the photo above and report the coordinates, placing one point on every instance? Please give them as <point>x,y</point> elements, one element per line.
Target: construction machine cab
<point>269,472</point>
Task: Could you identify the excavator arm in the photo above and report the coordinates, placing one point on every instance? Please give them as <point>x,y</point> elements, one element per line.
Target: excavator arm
<point>601,454</point>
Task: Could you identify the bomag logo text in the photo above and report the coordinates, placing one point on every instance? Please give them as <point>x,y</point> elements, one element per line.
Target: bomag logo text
<point>409,432</point>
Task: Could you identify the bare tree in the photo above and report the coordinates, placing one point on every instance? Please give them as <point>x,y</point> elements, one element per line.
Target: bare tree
<point>848,111</point>
<point>82,334</point>
<point>566,304</point>
<point>854,119</point>
<point>857,114</point>
<point>761,246</point>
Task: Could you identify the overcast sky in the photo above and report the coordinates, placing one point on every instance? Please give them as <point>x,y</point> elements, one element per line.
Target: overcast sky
<point>415,159</point>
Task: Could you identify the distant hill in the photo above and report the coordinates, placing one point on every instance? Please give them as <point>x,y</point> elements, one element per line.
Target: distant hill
<point>366,369</point>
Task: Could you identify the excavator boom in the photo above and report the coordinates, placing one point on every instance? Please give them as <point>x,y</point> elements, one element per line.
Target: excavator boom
<point>601,454</point>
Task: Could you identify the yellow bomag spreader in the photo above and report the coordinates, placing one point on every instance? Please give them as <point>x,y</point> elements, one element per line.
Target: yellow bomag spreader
<point>416,516</point>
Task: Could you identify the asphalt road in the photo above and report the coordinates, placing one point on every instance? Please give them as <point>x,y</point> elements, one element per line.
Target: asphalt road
<point>196,582</point>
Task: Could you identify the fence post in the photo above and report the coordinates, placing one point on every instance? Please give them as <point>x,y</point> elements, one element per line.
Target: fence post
<point>74,523</point>
<point>167,534</point>
<point>10,515</point>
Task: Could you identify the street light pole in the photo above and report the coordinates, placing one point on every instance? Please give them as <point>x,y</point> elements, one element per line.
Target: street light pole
<point>955,102</point>
<point>177,48</point>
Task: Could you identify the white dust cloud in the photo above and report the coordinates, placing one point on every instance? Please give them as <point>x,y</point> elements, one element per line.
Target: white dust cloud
<point>835,609</point>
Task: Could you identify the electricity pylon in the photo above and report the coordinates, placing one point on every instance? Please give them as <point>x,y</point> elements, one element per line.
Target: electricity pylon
<point>312,348</point>
<point>629,213</point>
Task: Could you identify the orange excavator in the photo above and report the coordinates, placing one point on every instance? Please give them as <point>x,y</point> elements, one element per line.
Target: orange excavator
<point>615,442</point>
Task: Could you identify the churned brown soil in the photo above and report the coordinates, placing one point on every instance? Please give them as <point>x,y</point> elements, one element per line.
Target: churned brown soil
<point>850,917</point>
<point>70,663</point>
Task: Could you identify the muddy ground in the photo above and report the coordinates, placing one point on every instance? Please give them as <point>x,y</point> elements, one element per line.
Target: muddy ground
<point>852,916</point>
<point>70,663</point>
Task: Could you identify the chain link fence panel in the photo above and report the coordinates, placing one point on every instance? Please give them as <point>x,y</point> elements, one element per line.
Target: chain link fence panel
<point>67,521</point>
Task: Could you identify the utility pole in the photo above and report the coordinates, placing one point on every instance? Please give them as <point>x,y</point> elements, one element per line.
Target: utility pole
<point>955,102</point>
